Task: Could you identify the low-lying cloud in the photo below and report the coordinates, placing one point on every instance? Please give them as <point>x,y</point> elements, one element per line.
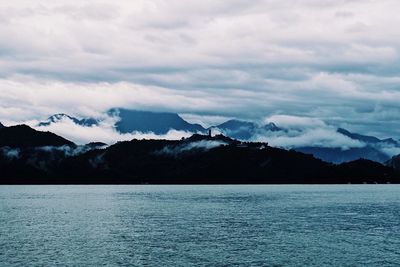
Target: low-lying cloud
<point>294,132</point>
<point>202,145</point>
<point>304,131</point>
<point>318,137</point>
<point>103,132</point>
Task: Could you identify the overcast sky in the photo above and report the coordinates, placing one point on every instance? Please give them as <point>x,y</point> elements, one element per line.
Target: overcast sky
<point>335,61</point>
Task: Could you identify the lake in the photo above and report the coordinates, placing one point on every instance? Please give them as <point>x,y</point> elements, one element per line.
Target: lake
<point>282,225</point>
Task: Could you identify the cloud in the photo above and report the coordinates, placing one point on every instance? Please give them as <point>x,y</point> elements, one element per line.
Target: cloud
<point>335,61</point>
<point>204,120</point>
<point>297,131</point>
<point>104,132</point>
<point>318,137</point>
<point>27,98</point>
<point>295,122</point>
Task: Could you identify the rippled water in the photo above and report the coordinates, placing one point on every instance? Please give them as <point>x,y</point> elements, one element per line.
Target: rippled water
<point>200,225</point>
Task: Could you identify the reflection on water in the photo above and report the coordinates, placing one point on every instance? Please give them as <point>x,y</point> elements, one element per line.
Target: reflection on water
<point>346,225</point>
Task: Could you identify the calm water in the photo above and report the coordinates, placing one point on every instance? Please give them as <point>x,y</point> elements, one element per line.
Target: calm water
<point>200,225</point>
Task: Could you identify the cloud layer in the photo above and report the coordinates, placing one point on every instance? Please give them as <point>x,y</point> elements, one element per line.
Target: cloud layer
<point>333,61</point>
<point>104,132</point>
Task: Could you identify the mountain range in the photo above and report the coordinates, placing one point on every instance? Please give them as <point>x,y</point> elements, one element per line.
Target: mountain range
<point>61,116</point>
<point>372,149</point>
<point>28,156</point>
<point>160,123</point>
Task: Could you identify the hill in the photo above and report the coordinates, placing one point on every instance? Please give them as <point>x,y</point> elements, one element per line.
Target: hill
<point>22,136</point>
<point>199,159</point>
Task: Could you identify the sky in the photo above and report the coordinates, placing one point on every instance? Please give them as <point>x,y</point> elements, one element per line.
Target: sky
<point>335,62</point>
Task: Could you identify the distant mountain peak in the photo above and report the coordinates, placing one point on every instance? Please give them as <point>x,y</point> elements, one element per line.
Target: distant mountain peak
<point>147,121</point>
<point>2,126</point>
<point>359,137</point>
<point>245,130</point>
<point>272,127</point>
<point>61,116</point>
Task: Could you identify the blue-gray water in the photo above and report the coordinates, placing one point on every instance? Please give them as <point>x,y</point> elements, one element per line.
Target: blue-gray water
<point>294,225</point>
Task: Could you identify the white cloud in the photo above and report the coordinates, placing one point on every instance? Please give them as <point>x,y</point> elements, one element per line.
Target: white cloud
<point>28,99</point>
<point>336,61</point>
<point>104,132</point>
<point>318,137</point>
<point>295,122</point>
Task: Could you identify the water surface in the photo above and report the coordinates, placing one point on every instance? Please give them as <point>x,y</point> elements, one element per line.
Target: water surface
<point>346,225</point>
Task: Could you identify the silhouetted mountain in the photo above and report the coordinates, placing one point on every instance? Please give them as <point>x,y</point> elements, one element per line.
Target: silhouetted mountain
<point>1,125</point>
<point>156,122</point>
<point>196,160</point>
<point>160,123</point>
<point>59,117</point>
<point>366,171</point>
<point>21,136</point>
<point>338,155</point>
<point>244,130</point>
<point>394,162</point>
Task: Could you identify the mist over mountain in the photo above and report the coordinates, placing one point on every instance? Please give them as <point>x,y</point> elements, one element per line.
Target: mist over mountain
<point>196,160</point>
<point>368,139</point>
<point>375,149</point>
<point>336,145</point>
<point>338,155</point>
<point>59,117</point>
<point>244,130</point>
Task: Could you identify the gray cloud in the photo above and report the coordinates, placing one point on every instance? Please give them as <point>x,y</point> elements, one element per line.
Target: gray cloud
<point>336,61</point>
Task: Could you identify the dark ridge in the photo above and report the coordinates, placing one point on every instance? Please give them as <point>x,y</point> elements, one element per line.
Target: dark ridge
<point>195,160</point>
<point>22,136</point>
<point>366,171</point>
<point>363,138</point>
<point>95,145</point>
<point>218,137</point>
